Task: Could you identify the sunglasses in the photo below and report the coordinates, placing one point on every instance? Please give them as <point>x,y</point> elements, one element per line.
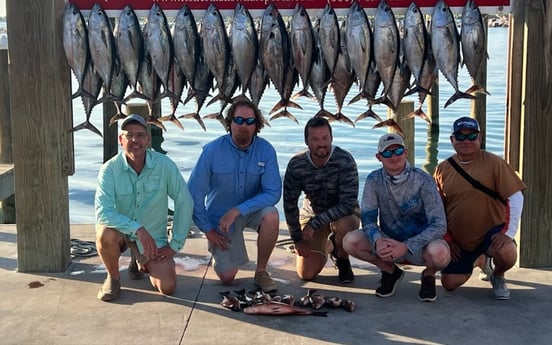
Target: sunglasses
<point>461,137</point>
<point>238,120</point>
<point>388,153</point>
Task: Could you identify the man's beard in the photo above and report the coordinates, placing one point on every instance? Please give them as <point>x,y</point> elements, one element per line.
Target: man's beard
<point>321,153</point>
<point>242,138</point>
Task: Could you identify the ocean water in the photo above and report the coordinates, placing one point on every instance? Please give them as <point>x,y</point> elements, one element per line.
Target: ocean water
<point>431,144</point>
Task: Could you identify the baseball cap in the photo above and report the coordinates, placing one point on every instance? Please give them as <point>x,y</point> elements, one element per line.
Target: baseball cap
<point>465,123</point>
<point>134,118</point>
<point>389,139</point>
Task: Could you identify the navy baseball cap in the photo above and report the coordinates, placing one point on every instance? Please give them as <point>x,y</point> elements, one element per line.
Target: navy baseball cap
<point>465,123</point>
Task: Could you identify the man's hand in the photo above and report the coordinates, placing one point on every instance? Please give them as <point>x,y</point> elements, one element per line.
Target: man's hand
<point>302,248</point>
<point>164,254</point>
<point>228,219</point>
<point>389,249</point>
<point>217,239</point>
<point>148,243</point>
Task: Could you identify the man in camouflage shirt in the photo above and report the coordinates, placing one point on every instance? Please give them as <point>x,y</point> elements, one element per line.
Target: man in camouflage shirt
<point>328,176</point>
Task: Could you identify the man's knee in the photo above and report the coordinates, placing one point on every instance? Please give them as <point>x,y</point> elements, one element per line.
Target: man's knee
<point>107,236</point>
<point>505,257</point>
<point>451,282</point>
<point>167,287</point>
<point>270,220</point>
<point>438,253</point>
<point>346,224</point>
<point>351,240</point>
<point>228,276</point>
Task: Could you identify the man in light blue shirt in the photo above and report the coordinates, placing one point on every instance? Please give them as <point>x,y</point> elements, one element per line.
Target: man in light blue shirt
<point>235,184</point>
<point>131,211</point>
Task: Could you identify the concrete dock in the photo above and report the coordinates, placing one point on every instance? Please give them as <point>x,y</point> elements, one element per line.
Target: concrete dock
<point>62,308</point>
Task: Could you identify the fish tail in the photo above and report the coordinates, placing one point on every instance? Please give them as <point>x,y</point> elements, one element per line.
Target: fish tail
<point>339,116</point>
<point>368,113</point>
<point>135,94</point>
<point>196,117</point>
<point>302,93</point>
<point>476,89</point>
<point>323,113</point>
<point>116,118</point>
<point>361,95</point>
<point>157,123</point>
<point>293,105</point>
<point>87,125</point>
<point>420,113</point>
<point>173,119</point>
<point>457,95</point>
<point>240,97</point>
<point>284,113</point>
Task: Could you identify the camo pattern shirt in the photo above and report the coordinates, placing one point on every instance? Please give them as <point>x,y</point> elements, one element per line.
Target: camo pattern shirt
<point>408,209</point>
<point>330,192</point>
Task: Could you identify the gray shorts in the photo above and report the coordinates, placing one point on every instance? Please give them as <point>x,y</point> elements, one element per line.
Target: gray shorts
<point>236,254</point>
<point>416,259</point>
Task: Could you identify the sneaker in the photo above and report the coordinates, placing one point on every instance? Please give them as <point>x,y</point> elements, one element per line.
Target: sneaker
<point>499,287</point>
<point>263,280</point>
<point>346,274</point>
<point>487,269</point>
<point>427,289</point>
<point>109,290</point>
<point>389,282</point>
<point>133,271</point>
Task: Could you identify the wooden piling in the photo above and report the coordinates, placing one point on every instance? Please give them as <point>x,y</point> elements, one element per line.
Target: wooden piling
<point>407,125</point>
<point>536,107</point>
<point>40,92</point>
<point>7,197</point>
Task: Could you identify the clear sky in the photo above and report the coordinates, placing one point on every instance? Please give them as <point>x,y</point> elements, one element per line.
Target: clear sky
<point>2,8</point>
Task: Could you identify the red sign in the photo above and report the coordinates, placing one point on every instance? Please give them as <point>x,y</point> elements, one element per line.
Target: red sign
<point>141,7</point>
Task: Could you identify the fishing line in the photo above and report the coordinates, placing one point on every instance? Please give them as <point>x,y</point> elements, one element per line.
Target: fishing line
<point>195,300</point>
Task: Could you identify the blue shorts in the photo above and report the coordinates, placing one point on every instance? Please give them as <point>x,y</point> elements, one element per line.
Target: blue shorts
<point>467,257</point>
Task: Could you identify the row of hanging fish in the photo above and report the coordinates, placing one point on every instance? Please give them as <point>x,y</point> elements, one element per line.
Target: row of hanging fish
<point>158,61</point>
<point>261,303</point>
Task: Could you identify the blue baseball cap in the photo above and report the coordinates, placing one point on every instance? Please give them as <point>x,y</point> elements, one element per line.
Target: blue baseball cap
<point>134,118</point>
<point>465,123</point>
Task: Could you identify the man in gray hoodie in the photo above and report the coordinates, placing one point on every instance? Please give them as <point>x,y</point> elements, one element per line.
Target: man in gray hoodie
<point>403,221</point>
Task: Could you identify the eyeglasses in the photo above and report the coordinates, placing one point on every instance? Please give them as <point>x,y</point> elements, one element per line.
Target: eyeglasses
<point>388,153</point>
<point>461,137</point>
<point>238,120</point>
<point>131,135</point>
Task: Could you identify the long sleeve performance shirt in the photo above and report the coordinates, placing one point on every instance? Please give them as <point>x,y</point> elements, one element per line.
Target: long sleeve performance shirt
<point>331,191</point>
<point>409,210</point>
<point>127,201</point>
<point>226,176</point>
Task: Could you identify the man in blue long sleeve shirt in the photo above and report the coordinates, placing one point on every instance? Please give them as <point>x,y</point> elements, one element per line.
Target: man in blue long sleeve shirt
<point>403,220</point>
<point>131,210</point>
<point>235,184</point>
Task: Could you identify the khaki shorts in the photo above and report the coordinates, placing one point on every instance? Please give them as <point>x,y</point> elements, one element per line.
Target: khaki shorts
<point>320,240</point>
